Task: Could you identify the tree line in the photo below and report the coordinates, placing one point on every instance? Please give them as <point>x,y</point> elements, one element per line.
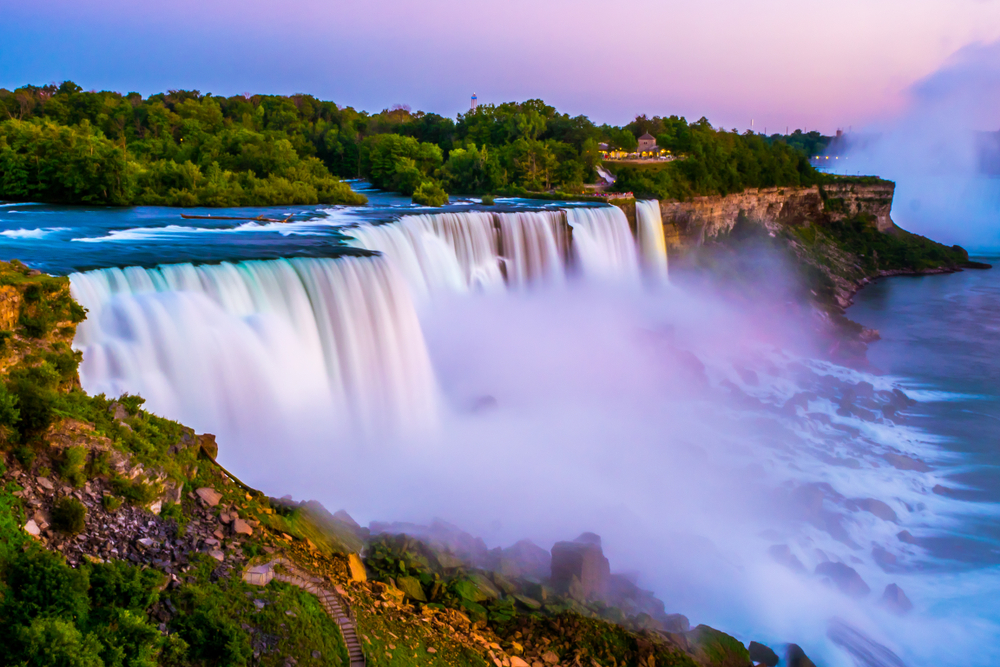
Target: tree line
<point>62,144</point>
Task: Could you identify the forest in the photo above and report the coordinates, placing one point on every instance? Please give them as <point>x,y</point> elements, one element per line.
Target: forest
<point>61,144</point>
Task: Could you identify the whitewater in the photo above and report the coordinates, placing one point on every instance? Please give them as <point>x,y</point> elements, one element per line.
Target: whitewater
<point>535,373</point>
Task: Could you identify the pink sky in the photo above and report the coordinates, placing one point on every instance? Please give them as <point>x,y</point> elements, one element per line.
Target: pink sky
<point>815,64</point>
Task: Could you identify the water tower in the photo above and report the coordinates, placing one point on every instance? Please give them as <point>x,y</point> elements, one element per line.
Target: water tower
<point>475,101</point>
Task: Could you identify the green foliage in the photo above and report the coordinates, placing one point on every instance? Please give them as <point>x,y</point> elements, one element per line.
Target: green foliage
<point>53,615</point>
<point>430,193</point>
<point>134,491</point>
<point>487,200</point>
<point>111,503</point>
<point>897,249</point>
<point>69,515</point>
<point>70,464</point>
<point>399,163</point>
<point>60,144</point>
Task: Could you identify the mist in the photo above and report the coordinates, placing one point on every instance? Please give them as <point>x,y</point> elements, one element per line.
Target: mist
<point>933,152</point>
<point>692,424</point>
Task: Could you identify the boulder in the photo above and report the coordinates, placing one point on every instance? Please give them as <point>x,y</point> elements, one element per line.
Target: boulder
<point>46,483</point>
<point>781,553</point>
<point>876,507</point>
<point>713,648</point>
<point>762,655</point>
<point>895,600</point>
<point>208,445</point>
<point>845,578</point>
<point>31,528</point>
<point>241,527</point>
<point>209,496</point>
<point>356,568</point>
<point>581,560</point>
<point>217,555</point>
<point>677,623</point>
<point>796,657</point>
<point>550,658</point>
<point>517,662</point>
<point>411,586</point>
<point>525,559</point>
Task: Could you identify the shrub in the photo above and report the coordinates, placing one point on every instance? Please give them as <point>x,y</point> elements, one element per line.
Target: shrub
<point>111,503</point>
<point>487,200</point>
<point>70,465</point>
<point>69,515</point>
<point>430,193</point>
<point>136,492</point>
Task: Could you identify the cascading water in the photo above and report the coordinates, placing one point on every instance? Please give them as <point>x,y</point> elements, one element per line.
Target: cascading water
<point>471,250</point>
<point>652,244</point>
<point>602,243</point>
<point>216,346</point>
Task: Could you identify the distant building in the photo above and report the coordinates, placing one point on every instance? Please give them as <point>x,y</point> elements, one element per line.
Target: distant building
<point>475,101</point>
<point>647,146</point>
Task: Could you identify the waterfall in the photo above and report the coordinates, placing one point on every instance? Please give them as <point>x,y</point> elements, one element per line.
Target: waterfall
<point>652,244</point>
<point>471,250</point>
<point>220,346</point>
<point>603,246</point>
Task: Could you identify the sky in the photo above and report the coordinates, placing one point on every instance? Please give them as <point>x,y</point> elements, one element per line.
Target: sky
<point>811,64</point>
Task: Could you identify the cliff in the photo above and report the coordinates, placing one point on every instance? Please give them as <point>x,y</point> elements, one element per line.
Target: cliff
<point>838,236</point>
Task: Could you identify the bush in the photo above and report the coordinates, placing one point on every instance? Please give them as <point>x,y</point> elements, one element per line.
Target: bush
<point>70,465</point>
<point>136,492</point>
<point>487,200</point>
<point>430,193</point>
<point>111,503</point>
<point>69,515</point>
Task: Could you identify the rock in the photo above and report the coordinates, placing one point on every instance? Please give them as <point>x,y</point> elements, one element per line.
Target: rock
<point>209,496</point>
<point>713,647</point>
<point>208,445</point>
<point>885,559</point>
<point>226,518</point>
<point>796,657</point>
<point>118,412</point>
<point>517,662</point>
<point>530,603</point>
<point>781,553</point>
<point>762,655</point>
<point>903,462</point>
<point>677,623</point>
<point>217,555</point>
<point>431,649</point>
<point>241,527</point>
<point>862,648</point>
<point>31,528</point>
<point>356,568</point>
<point>550,657</point>
<point>845,578</point>
<point>525,559</point>
<point>45,483</point>
<point>876,507</point>
<point>905,537</point>
<point>146,543</point>
<point>895,600</point>
<point>411,586</point>
<point>581,560</point>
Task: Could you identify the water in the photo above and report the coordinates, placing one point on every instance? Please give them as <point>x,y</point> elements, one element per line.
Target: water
<point>509,369</point>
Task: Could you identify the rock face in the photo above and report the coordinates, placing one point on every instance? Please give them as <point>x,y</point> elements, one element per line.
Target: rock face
<point>845,578</point>
<point>762,655</point>
<point>526,559</point>
<point>692,222</point>
<point>580,568</point>
<point>895,600</point>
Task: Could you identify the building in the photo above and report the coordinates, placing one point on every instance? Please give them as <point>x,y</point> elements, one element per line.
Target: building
<point>475,101</point>
<point>647,146</point>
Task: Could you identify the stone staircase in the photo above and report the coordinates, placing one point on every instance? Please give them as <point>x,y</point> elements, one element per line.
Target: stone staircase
<point>334,605</point>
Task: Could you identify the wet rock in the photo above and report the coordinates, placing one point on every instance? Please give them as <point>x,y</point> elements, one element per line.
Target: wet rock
<point>796,657</point>
<point>209,496</point>
<point>876,507</point>
<point>895,600</point>
<point>845,578</point>
<point>906,537</point>
<point>885,559</point>
<point>904,462</point>
<point>945,491</point>
<point>781,553</point>
<point>762,655</point>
